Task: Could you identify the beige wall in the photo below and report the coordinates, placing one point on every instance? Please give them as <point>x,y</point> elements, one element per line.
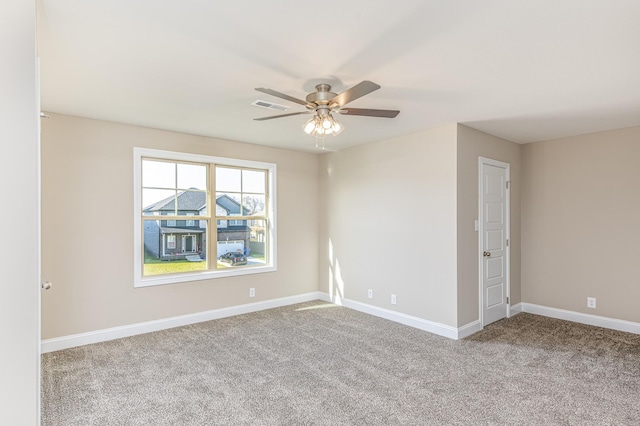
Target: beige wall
<point>581,223</point>
<point>347,221</point>
<point>471,145</point>
<point>389,224</point>
<point>87,226</point>
<point>20,287</point>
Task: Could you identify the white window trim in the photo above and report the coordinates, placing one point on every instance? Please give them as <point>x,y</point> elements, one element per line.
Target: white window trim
<point>138,279</point>
<point>166,246</point>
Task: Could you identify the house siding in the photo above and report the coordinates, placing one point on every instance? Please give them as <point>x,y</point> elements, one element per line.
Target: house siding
<point>152,237</point>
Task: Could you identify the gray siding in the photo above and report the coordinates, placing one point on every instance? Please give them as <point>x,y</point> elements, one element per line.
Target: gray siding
<point>152,237</point>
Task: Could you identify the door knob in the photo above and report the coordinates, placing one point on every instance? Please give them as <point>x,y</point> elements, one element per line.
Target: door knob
<point>486,253</point>
<point>46,285</point>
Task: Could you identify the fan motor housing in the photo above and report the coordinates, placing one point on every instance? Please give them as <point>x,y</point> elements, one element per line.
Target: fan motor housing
<point>322,96</point>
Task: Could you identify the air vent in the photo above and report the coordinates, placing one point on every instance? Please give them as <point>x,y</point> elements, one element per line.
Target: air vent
<point>269,105</point>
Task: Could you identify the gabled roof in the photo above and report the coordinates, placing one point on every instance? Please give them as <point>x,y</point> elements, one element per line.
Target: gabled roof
<point>193,201</point>
<point>228,203</point>
<point>187,200</point>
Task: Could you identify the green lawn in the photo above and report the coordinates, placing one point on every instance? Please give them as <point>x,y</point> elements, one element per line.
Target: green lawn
<point>155,266</point>
<point>174,267</point>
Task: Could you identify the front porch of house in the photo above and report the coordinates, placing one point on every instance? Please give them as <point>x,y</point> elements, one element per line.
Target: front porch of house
<point>182,244</point>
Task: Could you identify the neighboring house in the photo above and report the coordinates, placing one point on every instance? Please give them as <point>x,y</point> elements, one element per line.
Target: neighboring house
<point>177,239</point>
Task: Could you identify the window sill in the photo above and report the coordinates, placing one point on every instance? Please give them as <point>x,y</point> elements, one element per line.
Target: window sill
<point>199,276</point>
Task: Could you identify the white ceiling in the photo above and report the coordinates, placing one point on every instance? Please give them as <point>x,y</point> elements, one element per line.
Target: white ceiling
<point>521,70</point>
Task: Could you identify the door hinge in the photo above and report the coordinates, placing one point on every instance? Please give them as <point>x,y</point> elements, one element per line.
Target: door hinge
<point>507,300</point>
<point>508,182</point>
<point>507,242</point>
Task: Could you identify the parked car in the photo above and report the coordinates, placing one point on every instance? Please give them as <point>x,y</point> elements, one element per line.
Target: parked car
<point>234,258</point>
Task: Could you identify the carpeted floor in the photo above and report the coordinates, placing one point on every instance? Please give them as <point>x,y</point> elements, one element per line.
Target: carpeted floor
<point>320,364</point>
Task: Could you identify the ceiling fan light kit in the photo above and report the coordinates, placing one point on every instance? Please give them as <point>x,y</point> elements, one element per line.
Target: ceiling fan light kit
<point>323,125</point>
<point>324,102</point>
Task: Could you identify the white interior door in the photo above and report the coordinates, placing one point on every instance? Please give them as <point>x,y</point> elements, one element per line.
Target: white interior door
<point>494,240</point>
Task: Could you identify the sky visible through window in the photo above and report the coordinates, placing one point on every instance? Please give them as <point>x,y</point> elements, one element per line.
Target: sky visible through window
<point>161,178</point>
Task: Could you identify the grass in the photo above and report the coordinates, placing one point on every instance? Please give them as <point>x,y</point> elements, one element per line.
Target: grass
<point>257,256</point>
<point>155,266</point>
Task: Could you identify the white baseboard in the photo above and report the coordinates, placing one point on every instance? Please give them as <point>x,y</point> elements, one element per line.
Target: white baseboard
<point>419,323</point>
<point>469,329</point>
<point>97,336</point>
<point>598,321</point>
<point>65,342</point>
<point>515,309</point>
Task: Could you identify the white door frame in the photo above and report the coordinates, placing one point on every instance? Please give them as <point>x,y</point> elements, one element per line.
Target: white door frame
<point>184,243</point>
<point>38,260</point>
<point>481,162</point>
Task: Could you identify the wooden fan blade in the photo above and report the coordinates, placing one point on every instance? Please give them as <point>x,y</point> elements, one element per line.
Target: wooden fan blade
<point>282,115</point>
<point>363,88</point>
<point>281,95</point>
<point>386,113</point>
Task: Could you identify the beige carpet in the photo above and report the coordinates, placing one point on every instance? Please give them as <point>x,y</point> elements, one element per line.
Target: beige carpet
<point>319,364</point>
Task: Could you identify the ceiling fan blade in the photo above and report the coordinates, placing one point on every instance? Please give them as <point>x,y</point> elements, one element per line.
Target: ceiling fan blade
<point>282,115</point>
<point>363,88</point>
<point>281,95</point>
<point>386,113</point>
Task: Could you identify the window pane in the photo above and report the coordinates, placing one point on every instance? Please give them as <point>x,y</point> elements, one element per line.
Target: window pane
<point>253,181</point>
<point>245,246</point>
<point>192,176</point>
<point>257,242</point>
<point>155,201</point>
<point>227,204</point>
<point>228,179</point>
<point>253,204</point>
<point>158,174</point>
<point>173,251</point>
<point>192,203</point>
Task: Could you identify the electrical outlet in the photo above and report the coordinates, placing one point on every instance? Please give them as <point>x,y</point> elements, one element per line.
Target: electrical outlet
<point>252,292</point>
<point>370,294</point>
<point>393,299</point>
<point>591,302</point>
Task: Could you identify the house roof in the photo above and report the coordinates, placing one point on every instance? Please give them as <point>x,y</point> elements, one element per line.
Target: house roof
<point>187,200</point>
<point>228,203</point>
<point>522,70</point>
<point>193,201</point>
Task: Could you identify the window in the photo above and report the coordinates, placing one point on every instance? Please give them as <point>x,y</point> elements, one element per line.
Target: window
<point>178,198</point>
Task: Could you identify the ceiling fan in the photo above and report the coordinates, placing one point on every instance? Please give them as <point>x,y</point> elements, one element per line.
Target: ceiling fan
<point>323,102</point>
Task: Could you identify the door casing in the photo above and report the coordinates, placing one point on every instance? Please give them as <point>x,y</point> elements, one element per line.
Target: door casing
<point>482,161</point>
